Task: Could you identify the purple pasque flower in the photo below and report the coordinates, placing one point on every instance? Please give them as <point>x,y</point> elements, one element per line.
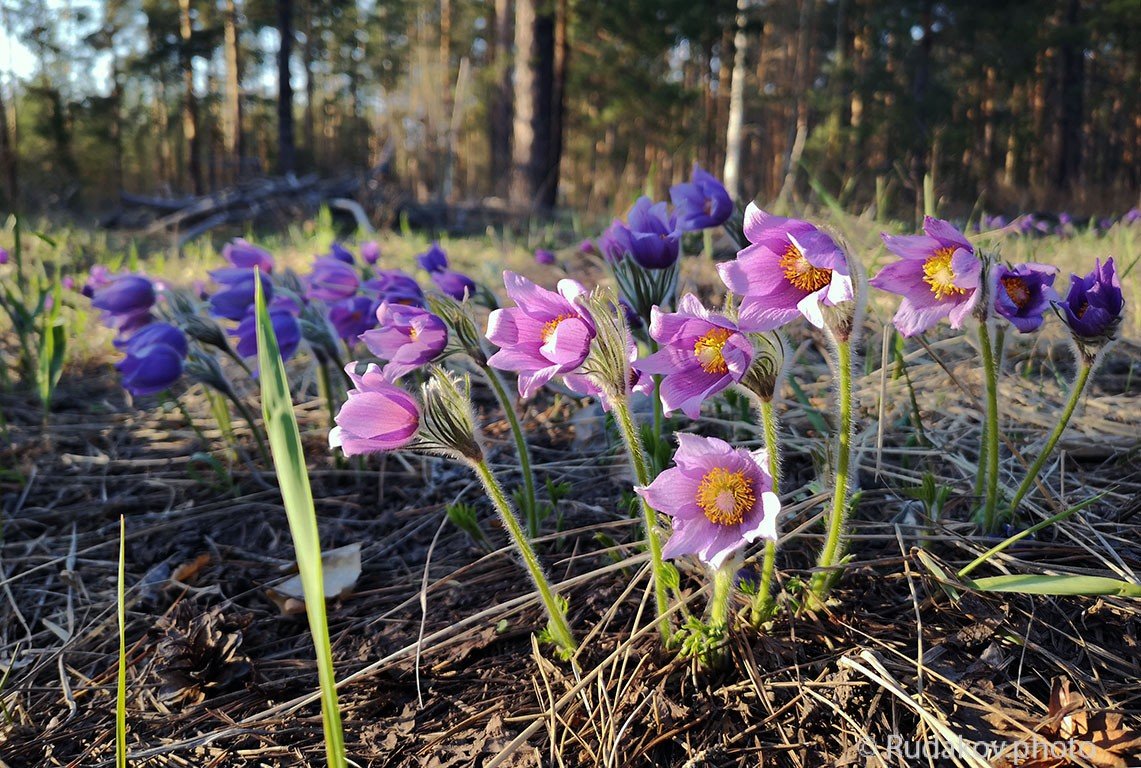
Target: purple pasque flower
<point>96,278</point>
<point>546,334</point>
<point>612,244</point>
<point>245,255</point>
<point>938,274</point>
<point>341,253</point>
<point>370,252</point>
<point>455,284</point>
<point>702,203</point>
<point>1023,293</point>
<point>700,354</point>
<point>5,257</point>
<point>1094,305</point>
<point>407,337</point>
<point>650,235</point>
<point>378,416</point>
<point>235,301</point>
<point>155,355</point>
<point>789,269</point>
<point>395,287</point>
<point>125,295</point>
<point>434,259</point>
<point>544,257</point>
<point>332,280</point>
<point>719,497</point>
<point>283,317</point>
<point>353,316</point>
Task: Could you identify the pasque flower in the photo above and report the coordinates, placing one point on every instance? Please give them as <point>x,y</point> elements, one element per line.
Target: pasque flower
<point>236,300</point>
<point>1093,307</point>
<point>370,251</point>
<point>5,257</point>
<point>434,259</point>
<point>546,334</point>
<point>154,360</point>
<point>612,244</point>
<point>938,274</point>
<point>378,416</point>
<point>245,255</point>
<point>702,203</point>
<point>341,253</point>
<point>395,287</point>
<point>283,317</point>
<point>332,279</point>
<point>789,269</point>
<point>1023,293</point>
<point>650,235</point>
<point>701,353</point>
<point>455,284</point>
<point>126,302</point>
<point>407,337</point>
<point>719,497</point>
<point>544,257</point>
<point>352,317</point>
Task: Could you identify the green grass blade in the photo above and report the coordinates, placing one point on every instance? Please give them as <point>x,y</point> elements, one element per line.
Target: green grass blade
<point>121,693</point>
<point>293,477</point>
<point>1045,584</point>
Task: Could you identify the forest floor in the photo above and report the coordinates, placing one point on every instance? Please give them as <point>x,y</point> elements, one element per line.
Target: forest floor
<point>435,644</point>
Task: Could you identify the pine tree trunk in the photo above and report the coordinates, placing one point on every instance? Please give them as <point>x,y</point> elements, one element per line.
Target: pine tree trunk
<point>798,135</point>
<point>232,112</point>
<point>8,160</point>
<point>735,131</point>
<point>189,100</point>
<point>1069,130</point>
<point>501,107</point>
<point>286,152</point>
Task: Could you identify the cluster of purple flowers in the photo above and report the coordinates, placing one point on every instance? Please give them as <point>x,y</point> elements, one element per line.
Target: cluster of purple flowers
<point>1056,225</point>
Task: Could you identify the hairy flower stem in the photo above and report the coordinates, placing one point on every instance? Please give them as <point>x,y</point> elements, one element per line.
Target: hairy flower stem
<point>763,603</point>
<point>249,417</point>
<point>823,579</point>
<point>1076,391</point>
<point>990,371</point>
<point>325,392</point>
<point>559,629</point>
<point>625,420</point>
<point>530,503</point>
<point>722,591</point>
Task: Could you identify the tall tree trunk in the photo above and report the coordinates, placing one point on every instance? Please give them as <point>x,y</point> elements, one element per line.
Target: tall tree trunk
<point>286,151</point>
<point>232,113</point>
<point>735,131</point>
<point>444,135</point>
<point>534,75</point>
<point>8,159</point>
<point>308,117</point>
<point>501,107</point>
<point>189,100</point>
<point>919,90</point>
<point>550,187</point>
<point>798,134</point>
<point>1071,62</point>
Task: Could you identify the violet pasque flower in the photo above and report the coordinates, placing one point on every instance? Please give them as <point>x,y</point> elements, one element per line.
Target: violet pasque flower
<point>650,235</point>
<point>719,497</point>
<point>235,301</point>
<point>544,257</point>
<point>1023,293</point>
<point>455,284</point>
<point>395,287</point>
<point>283,318</point>
<point>938,274</point>
<point>378,416</point>
<point>352,317</point>
<point>245,255</point>
<point>789,269</point>
<point>342,254</point>
<point>701,353</point>
<point>612,244</point>
<point>702,203</point>
<point>155,355</point>
<point>5,257</point>
<point>1093,307</point>
<point>434,259</point>
<point>125,301</point>
<point>332,280</point>
<point>98,277</point>
<point>546,334</point>
<point>407,337</point>
<point>370,252</point>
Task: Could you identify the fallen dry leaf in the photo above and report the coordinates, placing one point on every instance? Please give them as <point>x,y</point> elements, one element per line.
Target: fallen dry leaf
<point>341,567</point>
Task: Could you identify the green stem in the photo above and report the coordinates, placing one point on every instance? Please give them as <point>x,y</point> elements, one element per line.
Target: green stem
<point>560,630</point>
<point>121,687</point>
<point>722,590</point>
<point>325,392</point>
<point>625,420</point>
<point>530,501</point>
<point>990,370</point>
<point>249,417</point>
<point>763,603</point>
<point>1076,391</point>
<point>1023,534</point>
<point>831,550</point>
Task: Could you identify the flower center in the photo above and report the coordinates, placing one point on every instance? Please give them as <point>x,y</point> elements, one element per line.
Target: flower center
<point>800,273</point>
<point>709,350</point>
<point>1082,309</point>
<point>725,496</point>
<point>551,326</point>
<point>413,333</point>
<point>1017,290</point>
<point>938,274</point>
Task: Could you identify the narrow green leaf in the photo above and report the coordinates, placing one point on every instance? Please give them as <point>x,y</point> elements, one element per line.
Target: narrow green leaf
<point>293,477</point>
<point>1047,584</point>
<point>121,692</point>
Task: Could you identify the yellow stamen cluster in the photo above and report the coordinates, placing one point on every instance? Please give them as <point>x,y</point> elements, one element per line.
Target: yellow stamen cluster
<point>551,325</point>
<point>1017,290</point>
<point>938,274</point>
<point>799,272</point>
<point>709,350</point>
<point>725,496</point>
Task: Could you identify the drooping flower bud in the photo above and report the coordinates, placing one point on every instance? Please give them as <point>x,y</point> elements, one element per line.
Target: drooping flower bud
<point>447,424</point>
